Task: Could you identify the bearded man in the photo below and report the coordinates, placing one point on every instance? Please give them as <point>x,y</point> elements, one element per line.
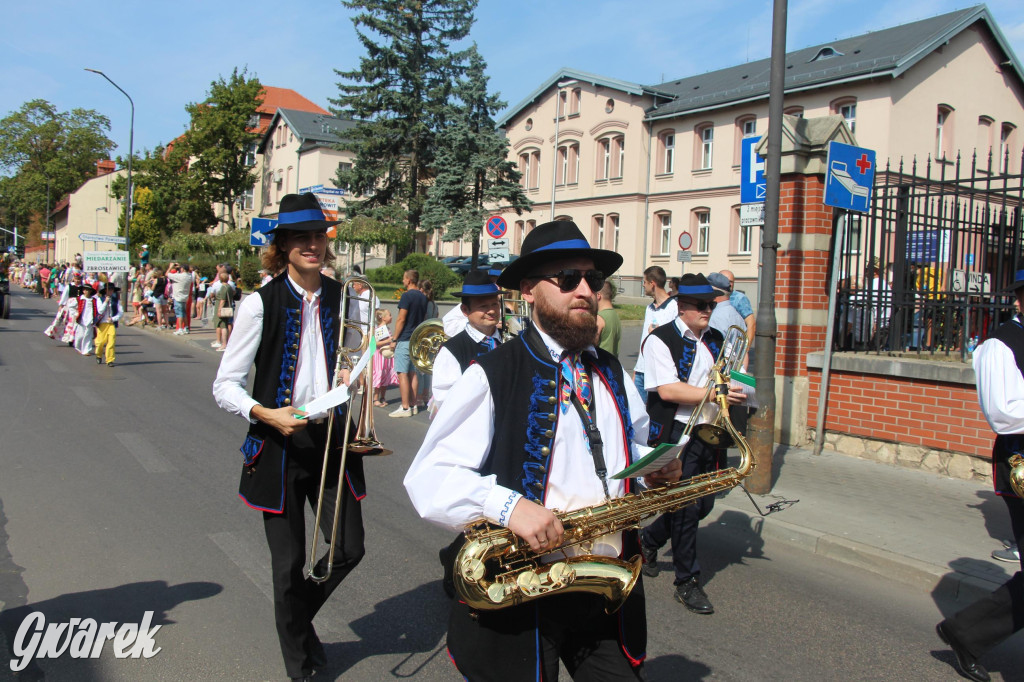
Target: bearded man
<point>540,423</point>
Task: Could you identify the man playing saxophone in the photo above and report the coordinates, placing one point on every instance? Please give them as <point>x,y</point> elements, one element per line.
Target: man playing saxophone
<point>540,424</point>
<point>677,360</point>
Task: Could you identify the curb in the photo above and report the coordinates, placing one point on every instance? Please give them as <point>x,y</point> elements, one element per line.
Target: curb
<point>938,580</point>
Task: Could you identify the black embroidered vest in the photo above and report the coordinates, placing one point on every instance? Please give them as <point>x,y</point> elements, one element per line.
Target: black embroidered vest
<point>1012,334</point>
<point>684,350</point>
<point>265,449</point>
<point>465,349</point>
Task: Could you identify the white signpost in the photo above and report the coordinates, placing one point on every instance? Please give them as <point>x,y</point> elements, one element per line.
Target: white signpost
<point>105,261</point>
<point>751,214</point>
<point>497,249</point>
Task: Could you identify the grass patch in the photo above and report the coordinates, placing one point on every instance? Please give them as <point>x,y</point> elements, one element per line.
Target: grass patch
<point>630,312</point>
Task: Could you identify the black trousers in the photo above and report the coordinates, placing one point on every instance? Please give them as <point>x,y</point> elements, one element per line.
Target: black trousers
<point>988,621</point>
<point>680,526</point>
<point>297,599</point>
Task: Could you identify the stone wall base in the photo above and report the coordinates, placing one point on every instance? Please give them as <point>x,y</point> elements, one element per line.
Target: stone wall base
<point>944,462</point>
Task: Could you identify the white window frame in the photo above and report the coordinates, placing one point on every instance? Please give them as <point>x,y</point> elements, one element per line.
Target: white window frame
<point>670,152</point>
<point>622,155</point>
<point>707,148</point>
<point>599,220</point>
<point>606,158</point>
<point>703,232</point>
<point>666,232</point>
<point>940,124</point>
<point>849,113</point>
<point>744,239</point>
<point>750,127</point>
<point>615,231</point>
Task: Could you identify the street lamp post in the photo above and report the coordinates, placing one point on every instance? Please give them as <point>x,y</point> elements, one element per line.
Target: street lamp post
<point>46,229</point>
<point>131,140</point>
<point>554,158</point>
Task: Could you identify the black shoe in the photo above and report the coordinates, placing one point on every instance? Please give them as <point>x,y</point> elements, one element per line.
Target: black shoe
<point>965,663</point>
<point>110,364</point>
<point>650,566</point>
<point>99,360</point>
<point>692,597</point>
<point>304,678</point>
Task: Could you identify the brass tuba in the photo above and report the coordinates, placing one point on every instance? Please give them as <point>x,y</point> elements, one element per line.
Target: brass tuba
<point>427,338</point>
<point>495,568</point>
<point>1016,463</point>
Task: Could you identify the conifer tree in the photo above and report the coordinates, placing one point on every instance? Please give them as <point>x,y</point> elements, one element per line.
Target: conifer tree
<point>474,175</point>
<point>399,96</point>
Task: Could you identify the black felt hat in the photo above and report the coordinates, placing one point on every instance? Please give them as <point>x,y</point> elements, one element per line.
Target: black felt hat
<point>477,283</point>
<point>695,287</point>
<point>302,213</point>
<point>555,241</point>
<point>1018,277</point>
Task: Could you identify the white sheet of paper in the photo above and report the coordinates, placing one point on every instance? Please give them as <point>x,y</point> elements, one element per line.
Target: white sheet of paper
<point>332,398</point>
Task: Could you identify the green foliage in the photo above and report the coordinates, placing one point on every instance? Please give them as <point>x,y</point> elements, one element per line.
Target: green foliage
<point>472,162</point>
<point>41,146</point>
<point>219,139</point>
<point>399,95</point>
<point>145,228</point>
<point>369,231</point>
<point>430,268</point>
<point>249,273</point>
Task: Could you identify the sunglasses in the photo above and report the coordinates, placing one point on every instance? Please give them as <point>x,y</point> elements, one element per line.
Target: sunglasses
<point>568,280</point>
<point>701,306</point>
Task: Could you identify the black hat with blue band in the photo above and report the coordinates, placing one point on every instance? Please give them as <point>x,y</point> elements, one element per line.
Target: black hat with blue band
<point>555,241</point>
<point>477,283</point>
<point>1018,277</point>
<point>301,213</point>
<point>695,287</point>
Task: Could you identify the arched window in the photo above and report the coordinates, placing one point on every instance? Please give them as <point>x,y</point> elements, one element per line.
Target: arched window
<point>944,132</point>
<point>517,234</point>
<point>741,241</point>
<point>700,225</point>
<point>704,146</point>
<point>663,232</point>
<point>847,108</point>
<point>611,157</point>
<point>597,231</point>
<point>1007,137</point>
<point>574,102</point>
<point>666,152</point>
<point>984,145</point>
<point>794,111</point>
<point>746,126</point>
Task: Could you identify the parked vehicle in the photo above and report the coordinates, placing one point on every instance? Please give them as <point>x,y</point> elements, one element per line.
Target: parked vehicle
<point>466,264</point>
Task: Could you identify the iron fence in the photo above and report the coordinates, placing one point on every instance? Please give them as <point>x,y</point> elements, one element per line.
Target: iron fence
<point>927,270</point>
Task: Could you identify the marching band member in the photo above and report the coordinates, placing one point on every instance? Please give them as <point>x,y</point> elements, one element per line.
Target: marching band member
<point>677,358</point>
<point>480,306</point>
<point>516,437</point>
<point>290,327</point>
<point>999,368</point>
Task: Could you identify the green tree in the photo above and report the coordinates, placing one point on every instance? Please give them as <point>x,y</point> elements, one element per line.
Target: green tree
<point>145,225</point>
<point>221,138</point>
<point>41,145</point>
<point>472,161</point>
<point>398,96</point>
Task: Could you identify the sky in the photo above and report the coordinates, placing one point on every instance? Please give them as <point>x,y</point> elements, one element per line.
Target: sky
<point>166,54</point>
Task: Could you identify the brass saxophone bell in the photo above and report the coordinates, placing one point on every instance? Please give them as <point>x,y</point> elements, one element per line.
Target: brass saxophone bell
<point>1016,463</point>
<point>714,436</point>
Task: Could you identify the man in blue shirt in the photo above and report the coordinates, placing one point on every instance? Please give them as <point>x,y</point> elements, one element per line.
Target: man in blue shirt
<point>412,309</point>
<point>742,305</point>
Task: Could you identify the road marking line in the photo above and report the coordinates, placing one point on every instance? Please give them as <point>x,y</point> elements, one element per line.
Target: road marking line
<point>56,366</point>
<point>143,451</point>
<point>88,396</point>
<point>252,561</point>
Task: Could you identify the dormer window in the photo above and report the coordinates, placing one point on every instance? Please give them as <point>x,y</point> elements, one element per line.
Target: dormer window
<point>826,53</point>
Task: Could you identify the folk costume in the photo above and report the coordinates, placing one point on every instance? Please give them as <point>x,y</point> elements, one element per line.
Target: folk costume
<point>106,325</point>
<point>999,368</point>
<point>292,336</point>
<point>87,313</point>
<point>507,430</point>
<point>673,353</point>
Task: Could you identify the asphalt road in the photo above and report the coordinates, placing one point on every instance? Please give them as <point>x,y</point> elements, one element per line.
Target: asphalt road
<point>118,496</point>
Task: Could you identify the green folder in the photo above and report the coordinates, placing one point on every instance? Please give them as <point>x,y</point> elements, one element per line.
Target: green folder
<point>654,454</point>
<point>742,378</point>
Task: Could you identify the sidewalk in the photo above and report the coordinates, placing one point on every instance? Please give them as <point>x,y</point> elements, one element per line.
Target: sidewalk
<point>914,527</point>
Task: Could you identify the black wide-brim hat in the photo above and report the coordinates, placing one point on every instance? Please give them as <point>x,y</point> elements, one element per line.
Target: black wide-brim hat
<point>695,287</point>
<point>554,241</point>
<point>301,213</point>
<point>1018,278</point>
<point>477,283</point>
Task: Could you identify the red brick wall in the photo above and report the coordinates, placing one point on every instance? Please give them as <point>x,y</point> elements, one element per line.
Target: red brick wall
<point>943,416</point>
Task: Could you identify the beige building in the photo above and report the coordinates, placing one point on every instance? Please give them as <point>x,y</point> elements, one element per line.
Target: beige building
<point>635,166</point>
<point>88,210</point>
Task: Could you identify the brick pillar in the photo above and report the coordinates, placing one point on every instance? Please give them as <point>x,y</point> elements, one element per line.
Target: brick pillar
<point>801,296</point>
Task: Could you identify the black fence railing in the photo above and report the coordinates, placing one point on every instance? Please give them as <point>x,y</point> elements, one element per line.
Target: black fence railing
<point>926,271</point>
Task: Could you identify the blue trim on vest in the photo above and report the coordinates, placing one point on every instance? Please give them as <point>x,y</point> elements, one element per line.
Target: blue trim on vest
<point>545,361</point>
<point>292,217</point>
<point>567,244</point>
<point>537,466</point>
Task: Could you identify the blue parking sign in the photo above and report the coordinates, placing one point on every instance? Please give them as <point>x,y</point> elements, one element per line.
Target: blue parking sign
<point>753,186</point>
<point>849,177</point>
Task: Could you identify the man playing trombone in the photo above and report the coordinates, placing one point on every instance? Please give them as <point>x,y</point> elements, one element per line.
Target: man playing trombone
<point>290,328</point>
<point>677,360</point>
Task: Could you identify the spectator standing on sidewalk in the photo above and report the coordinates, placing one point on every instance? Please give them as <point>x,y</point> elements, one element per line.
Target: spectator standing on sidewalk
<point>223,303</point>
<point>181,284</point>
<point>741,303</point>
<point>609,327</point>
<point>999,368</point>
<point>661,311</point>
<point>412,309</point>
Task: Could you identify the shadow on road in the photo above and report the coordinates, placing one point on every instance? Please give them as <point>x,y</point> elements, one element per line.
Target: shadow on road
<point>672,667</point>
<point>412,623</point>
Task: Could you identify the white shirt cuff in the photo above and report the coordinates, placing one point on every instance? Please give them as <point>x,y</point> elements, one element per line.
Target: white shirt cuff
<point>499,505</point>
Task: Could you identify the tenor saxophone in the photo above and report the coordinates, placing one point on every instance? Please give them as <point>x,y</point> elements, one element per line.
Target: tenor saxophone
<point>495,568</point>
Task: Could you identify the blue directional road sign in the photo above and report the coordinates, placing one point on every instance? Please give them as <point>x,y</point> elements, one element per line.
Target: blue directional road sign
<point>753,186</point>
<point>849,177</point>
<point>259,227</point>
<point>496,227</point>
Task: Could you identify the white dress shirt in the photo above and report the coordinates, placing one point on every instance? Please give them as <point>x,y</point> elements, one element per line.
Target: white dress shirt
<point>662,370</point>
<point>1000,387</point>
<point>444,482</point>
<point>454,321</point>
<point>104,312</point>
<point>447,370</point>
<point>311,376</point>
<point>655,315</point>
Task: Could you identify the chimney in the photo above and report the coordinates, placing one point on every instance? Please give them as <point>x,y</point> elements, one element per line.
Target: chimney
<point>104,167</point>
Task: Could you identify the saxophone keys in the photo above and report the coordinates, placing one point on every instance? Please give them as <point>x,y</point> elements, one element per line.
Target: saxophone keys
<point>472,570</point>
<point>561,574</point>
<point>528,581</point>
<point>496,592</point>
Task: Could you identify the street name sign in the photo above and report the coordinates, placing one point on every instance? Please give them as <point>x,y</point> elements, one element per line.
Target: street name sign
<point>105,261</point>
<point>259,229</point>
<point>104,238</point>
<point>849,177</point>
<point>753,186</point>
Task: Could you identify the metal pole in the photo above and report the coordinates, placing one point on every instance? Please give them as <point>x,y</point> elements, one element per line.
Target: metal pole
<point>826,365</point>
<point>762,424</point>
<point>131,143</point>
<point>47,226</point>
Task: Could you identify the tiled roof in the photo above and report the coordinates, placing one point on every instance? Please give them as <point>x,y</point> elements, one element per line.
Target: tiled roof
<point>312,129</point>
<point>286,98</point>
